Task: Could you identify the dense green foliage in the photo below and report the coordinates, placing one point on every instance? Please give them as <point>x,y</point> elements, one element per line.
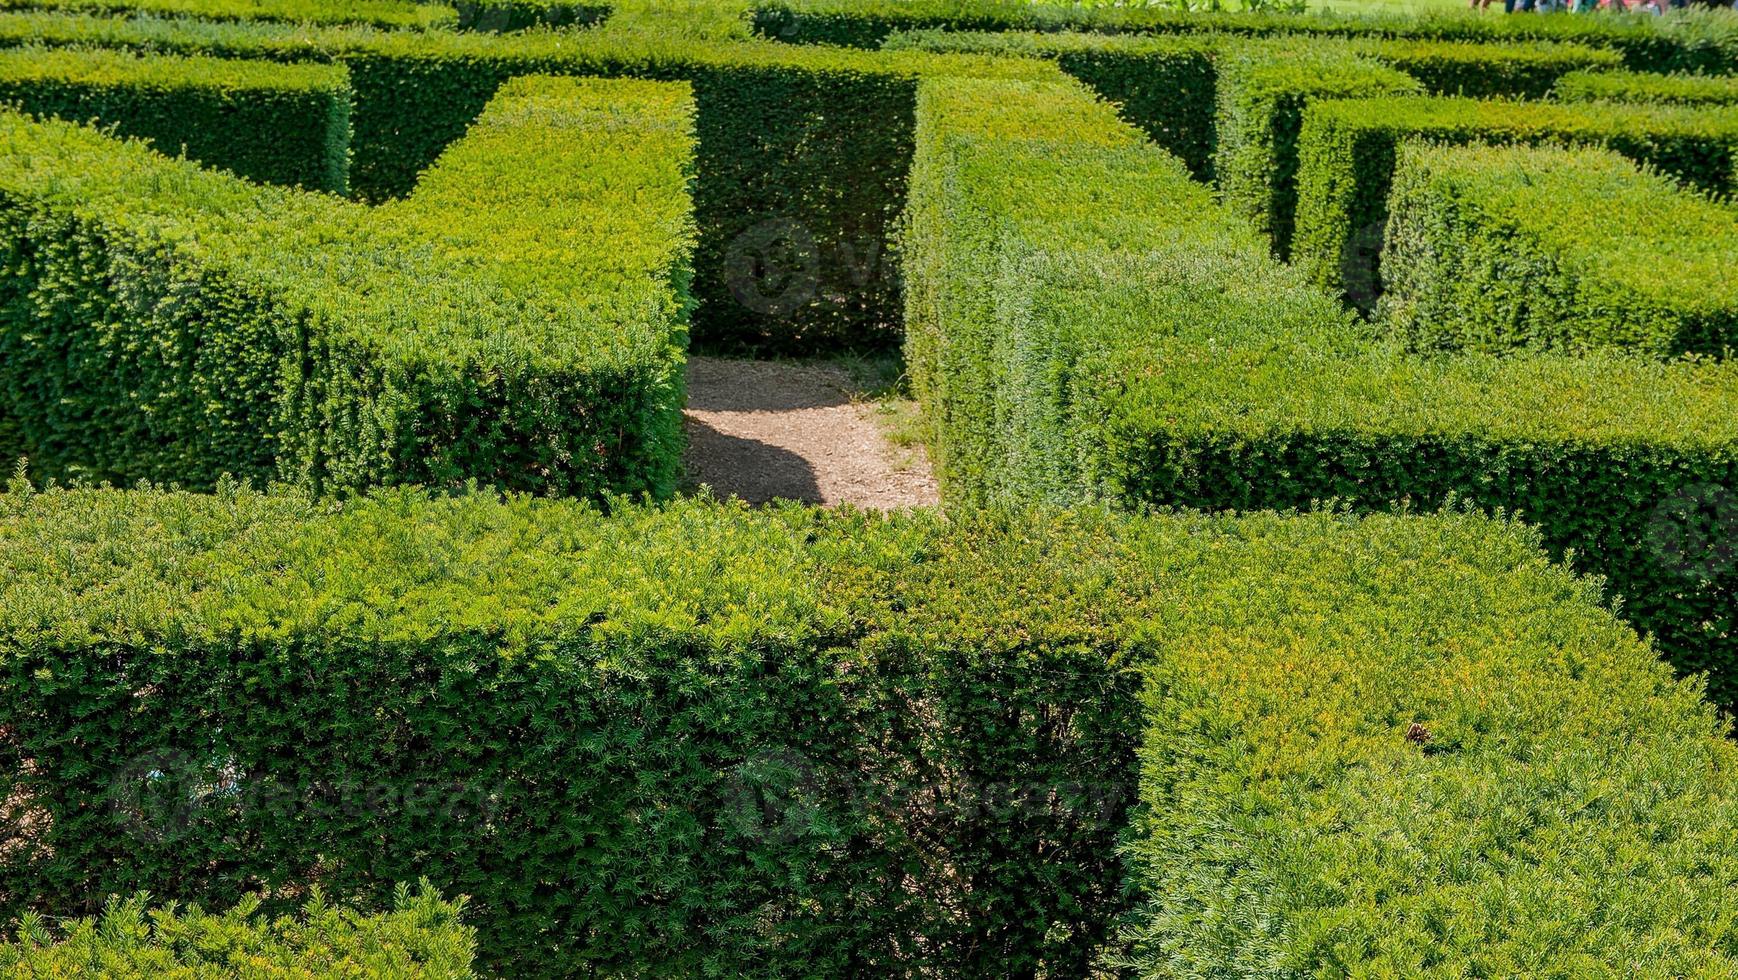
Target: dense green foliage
<point>1627,86</point>
<point>420,939</point>
<point>1084,323</point>
<point>703,739</point>
<point>280,124</point>
<point>1346,158</point>
<point>1489,247</point>
<point>1263,89</point>
<point>1514,70</point>
<point>519,321</point>
<point>695,740</point>
<point>373,13</point>
<point>1702,42</point>
<point>790,255</point>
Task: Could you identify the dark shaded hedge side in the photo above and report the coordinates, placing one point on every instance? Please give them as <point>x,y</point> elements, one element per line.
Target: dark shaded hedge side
<point>421,938</point>
<point>700,739</point>
<point>277,124</point>
<point>1097,328</point>
<point>1703,42</point>
<point>519,322</point>
<point>1481,252</point>
<point>1346,154</point>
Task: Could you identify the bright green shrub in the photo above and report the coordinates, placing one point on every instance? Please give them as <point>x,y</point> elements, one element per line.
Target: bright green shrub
<point>1262,91</point>
<point>1519,69</point>
<point>1562,807</point>
<point>518,322</point>
<point>699,739</point>
<point>1346,155</point>
<point>420,938</point>
<point>790,255</point>
<point>281,124</point>
<point>1489,247</point>
<point>373,13</point>
<point>1703,42</point>
<point>703,739</point>
<point>1625,86</point>
<point>1085,324</point>
<point>1165,85</point>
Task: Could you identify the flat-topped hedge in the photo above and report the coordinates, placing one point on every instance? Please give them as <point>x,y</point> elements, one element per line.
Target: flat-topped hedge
<point>1346,155</point>
<point>390,14</point>
<point>271,334</point>
<point>1085,323</point>
<point>422,938</point>
<point>790,256</point>
<point>1635,86</point>
<point>275,123</point>
<point>1515,69</point>
<point>1705,42</point>
<point>700,738</point>
<point>1487,248</point>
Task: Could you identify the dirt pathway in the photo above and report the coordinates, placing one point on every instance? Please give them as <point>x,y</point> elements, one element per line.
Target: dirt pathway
<point>762,430</point>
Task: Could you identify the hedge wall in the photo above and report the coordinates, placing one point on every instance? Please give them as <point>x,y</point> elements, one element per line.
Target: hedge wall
<point>371,13</point>
<point>420,938</point>
<point>1517,69</point>
<point>1262,91</point>
<point>1084,323</point>
<point>1164,85</point>
<point>703,739</point>
<point>1346,156</point>
<point>791,257</point>
<point>1700,41</point>
<point>1487,247</point>
<point>280,124</point>
<point>1592,86</point>
<point>275,335</point>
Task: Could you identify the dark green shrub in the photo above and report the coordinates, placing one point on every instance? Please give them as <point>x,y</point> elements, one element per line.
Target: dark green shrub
<point>1346,155</point>
<point>1262,91</point>
<point>373,13</point>
<point>1490,247</point>
<point>280,124</point>
<point>1098,329</point>
<point>790,256</point>
<point>519,321</point>
<point>681,741</point>
<point>1164,85</point>
<point>1517,69</point>
<point>420,938</point>
<point>1703,42</point>
<point>1626,86</point>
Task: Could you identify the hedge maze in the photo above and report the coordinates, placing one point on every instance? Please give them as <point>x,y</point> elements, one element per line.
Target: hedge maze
<point>1335,417</point>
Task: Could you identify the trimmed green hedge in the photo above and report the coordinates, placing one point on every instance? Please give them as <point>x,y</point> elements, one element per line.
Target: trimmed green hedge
<point>517,15</point>
<point>1408,766</point>
<point>1489,247</point>
<point>420,938</point>
<point>1165,85</point>
<point>702,739</point>
<point>1346,155</point>
<point>1084,323</point>
<point>1626,86</point>
<point>1518,69</point>
<point>1701,41</point>
<point>791,255</point>
<point>372,13</point>
<point>1262,91</point>
<point>518,322</point>
<point>279,124</point>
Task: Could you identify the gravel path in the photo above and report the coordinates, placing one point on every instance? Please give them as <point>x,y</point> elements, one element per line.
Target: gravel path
<point>763,430</point>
